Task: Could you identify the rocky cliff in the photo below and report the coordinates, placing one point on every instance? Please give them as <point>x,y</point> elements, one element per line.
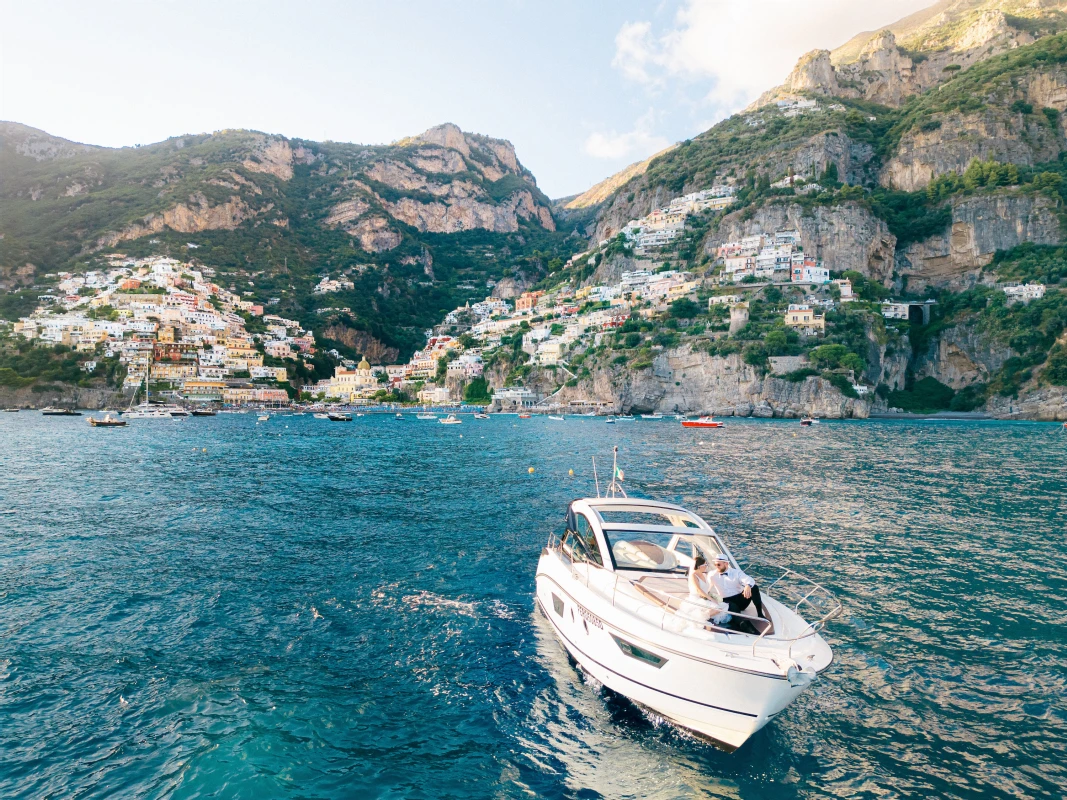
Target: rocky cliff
<point>948,142</point>
<point>922,51</point>
<point>961,357</point>
<point>980,227</point>
<point>442,181</point>
<point>687,381</point>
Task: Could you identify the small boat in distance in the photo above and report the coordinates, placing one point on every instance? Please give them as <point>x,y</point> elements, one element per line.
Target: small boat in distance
<point>425,415</point>
<point>263,418</point>
<point>50,411</point>
<point>652,416</point>
<point>611,420</point>
<point>399,416</point>
<point>524,416</point>
<point>203,412</point>
<point>557,419</point>
<point>805,422</point>
<point>625,418</point>
<point>702,422</point>
<point>11,411</point>
<point>480,415</point>
<point>107,421</point>
<point>339,417</point>
<point>450,420</point>
<point>321,416</point>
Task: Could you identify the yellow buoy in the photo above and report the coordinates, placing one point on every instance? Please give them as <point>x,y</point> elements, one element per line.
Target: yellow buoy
<point>531,470</point>
<point>570,472</point>
<point>203,450</point>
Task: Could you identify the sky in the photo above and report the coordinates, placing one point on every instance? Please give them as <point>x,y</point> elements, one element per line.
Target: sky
<point>581,88</point>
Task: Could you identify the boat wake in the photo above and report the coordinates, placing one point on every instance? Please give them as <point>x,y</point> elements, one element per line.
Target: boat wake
<point>438,602</point>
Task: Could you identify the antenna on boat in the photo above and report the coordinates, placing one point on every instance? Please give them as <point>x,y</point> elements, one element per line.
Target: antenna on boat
<point>595,478</point>
<point>616,475</point>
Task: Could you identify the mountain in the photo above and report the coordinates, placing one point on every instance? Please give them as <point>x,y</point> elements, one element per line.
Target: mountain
<point>422,224</point>
<point>921,51</point>
<point>925,160</point>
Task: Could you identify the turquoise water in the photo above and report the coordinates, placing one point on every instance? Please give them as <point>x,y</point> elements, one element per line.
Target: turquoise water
<point>220,608</point>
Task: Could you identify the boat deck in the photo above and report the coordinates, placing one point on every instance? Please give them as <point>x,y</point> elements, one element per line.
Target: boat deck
<point>669,592</point>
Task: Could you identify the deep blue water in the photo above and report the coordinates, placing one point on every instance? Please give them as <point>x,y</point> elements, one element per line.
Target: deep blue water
<point>220,608</point>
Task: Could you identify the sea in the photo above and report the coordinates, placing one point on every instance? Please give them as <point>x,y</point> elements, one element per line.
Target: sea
<point>228,608</point>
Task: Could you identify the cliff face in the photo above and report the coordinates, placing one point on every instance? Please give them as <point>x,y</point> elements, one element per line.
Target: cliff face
<point>442,181</point>
<point>684,381</point>
<point>909,57</point>
<point>960,357</point>
<point>997,133</point>
<point>981,225</point>
<point>845,236</point>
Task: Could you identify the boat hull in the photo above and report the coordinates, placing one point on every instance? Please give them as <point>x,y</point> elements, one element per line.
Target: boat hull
<point>721,703</point>
<point>695,424</point>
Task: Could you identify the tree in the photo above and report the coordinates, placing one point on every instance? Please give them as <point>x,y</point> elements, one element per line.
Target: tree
<point>755,355</point>
<point>477,391</point>
<point>834,356</point>
<point>684,308</point>
<point>776,343</point>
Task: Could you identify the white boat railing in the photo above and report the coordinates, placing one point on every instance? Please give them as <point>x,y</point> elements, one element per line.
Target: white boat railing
<point>792,587</point>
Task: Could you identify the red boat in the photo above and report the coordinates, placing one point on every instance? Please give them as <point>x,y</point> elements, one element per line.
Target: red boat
<point>702,422</point>
<point>524,416</point>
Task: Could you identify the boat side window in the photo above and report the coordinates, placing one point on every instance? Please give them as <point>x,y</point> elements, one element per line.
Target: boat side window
<point>588,537</point>
<point>579,540</point>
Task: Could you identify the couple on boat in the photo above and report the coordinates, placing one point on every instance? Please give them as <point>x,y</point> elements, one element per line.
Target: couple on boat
<point>735,588</point>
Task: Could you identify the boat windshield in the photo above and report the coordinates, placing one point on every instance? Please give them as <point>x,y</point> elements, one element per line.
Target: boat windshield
<point>647,516</point>
<point>659,551</point>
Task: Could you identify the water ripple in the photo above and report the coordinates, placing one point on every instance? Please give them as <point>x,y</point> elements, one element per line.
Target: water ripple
<point>218,608</point>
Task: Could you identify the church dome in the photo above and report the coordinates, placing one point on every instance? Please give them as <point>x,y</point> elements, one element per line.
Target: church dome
<point>364,364</point>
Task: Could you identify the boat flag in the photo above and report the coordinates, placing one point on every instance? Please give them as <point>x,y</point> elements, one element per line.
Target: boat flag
<point>618,474</point>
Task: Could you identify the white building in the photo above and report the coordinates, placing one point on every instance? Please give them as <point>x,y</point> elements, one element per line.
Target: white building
<point>1024,293</point>
<point>895,310</point>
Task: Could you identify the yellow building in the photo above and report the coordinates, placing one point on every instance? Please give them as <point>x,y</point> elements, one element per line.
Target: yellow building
<point>803,319</point>
<point>348,384</point>
<point>172,371</point>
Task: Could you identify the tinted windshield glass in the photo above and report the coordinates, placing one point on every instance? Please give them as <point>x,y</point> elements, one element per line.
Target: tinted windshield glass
<point>644,550</point>
<point>648,517</point>
<point>650,551</point>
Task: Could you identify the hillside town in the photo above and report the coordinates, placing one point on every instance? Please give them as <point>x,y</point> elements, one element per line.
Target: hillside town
<point>171,327</point>
<point>178,331</point>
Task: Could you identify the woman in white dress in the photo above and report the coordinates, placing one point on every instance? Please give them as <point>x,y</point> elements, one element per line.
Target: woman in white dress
<point>701,605</point>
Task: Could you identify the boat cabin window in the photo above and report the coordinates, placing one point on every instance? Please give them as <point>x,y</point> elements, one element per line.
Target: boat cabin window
<point>653,551</point>
<point>648,551</point>
<point>676,519</point>
<point>580,540</point>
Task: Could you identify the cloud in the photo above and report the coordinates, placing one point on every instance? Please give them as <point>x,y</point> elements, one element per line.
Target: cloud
<point>733,51</point>
<point>634,50</point>
<point>636,143</point>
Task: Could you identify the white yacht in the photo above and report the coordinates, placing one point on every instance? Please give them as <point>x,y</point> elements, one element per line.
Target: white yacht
<point>425,415</point>
<point>614,587</point>
<point>148,411</point>
<point>451,419</point>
